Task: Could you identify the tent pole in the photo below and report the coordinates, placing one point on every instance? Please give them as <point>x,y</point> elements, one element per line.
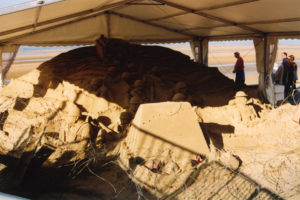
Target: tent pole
<point>196,47</point>
<point>204,44</point>
<point>260,49</point>
<point>152,24</point>
<point>263,92</point>
<point>72,17</point>
<point>1,67</point>
<point>265,57</point>
<point>201,52</point>
<point>38,13</point>
<point>108,24</point>
<point>199,48</point>
<point>266,87</point>
<point>209,16</point>
<point>225,5</point>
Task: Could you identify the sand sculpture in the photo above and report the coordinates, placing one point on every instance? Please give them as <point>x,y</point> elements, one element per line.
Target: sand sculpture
<point>167,137</point>
<point>84,101</point>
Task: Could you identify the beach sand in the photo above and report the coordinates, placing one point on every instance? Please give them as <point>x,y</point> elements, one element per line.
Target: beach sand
<point>220,56</point>
<point>69,92</point>
<point>20,69</point>
<point>28,60</point>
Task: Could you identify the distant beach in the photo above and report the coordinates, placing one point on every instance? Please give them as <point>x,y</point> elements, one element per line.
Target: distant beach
<point>220,56</point>
<point>29,58</point>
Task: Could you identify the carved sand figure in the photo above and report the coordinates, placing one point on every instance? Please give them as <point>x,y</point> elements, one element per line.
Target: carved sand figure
<point>83,110</point>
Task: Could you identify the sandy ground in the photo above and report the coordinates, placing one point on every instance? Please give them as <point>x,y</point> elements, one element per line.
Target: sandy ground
<point>219,55</point>
<point>61,101</point>
<point>28,60</point>
<point>20,69</point>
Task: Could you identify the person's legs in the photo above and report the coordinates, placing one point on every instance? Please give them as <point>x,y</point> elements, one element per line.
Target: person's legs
<point>240,79</point>
<point>243,78</point>
<point>286,90</point>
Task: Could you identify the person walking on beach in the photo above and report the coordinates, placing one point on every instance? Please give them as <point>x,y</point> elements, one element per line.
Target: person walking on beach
<point>239,69</point>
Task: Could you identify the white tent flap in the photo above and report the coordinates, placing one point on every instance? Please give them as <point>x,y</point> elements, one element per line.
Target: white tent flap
<point>259,50</point>
<point>271,49</point>
<point>7,57</point>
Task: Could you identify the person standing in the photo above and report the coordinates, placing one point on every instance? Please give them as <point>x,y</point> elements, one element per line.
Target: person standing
<point>285,73</point>
<point>281,71</point>
<point>293,66</point>
<point>239,69</point>
<point>284,57</point>
<point>289,76</point>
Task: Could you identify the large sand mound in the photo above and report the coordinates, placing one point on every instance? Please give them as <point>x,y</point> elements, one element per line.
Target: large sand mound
<point>68,117</point>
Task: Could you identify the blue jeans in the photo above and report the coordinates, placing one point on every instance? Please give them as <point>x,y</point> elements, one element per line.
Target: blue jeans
<point>240,77</point>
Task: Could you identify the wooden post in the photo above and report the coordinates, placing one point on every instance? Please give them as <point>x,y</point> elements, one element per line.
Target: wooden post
<point>108,24</point>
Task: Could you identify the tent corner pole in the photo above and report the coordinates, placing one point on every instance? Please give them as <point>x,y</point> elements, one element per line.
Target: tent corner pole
<point>200,50</point>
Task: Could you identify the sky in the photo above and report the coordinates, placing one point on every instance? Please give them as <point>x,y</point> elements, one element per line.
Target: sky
<point>9,6</point>
<point>6,3</point>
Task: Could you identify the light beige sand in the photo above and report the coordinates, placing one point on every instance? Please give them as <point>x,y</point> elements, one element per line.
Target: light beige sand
<point>218,55</point>
<point>20,69</point>
<point>30,61</point>
<point>263,137</point>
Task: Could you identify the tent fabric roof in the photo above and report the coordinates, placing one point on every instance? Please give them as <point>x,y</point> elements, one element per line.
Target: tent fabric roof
<point>69,22</point>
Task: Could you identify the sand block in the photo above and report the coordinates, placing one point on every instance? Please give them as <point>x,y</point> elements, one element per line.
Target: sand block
<point>166,132</point>
<point>172,124</point>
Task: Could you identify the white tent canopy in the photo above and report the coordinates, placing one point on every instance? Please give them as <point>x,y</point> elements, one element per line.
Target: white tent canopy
<point>82,21</point>
<point>74,22</point>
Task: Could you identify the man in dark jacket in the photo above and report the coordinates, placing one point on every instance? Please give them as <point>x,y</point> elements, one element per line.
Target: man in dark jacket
<point>284,57</point>
<point>289,76</point>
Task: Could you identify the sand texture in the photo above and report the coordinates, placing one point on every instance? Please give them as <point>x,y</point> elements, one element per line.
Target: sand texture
<point>64,129</point>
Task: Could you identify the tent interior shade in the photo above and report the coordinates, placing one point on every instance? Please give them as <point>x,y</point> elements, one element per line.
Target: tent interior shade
<point>68,22</point>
